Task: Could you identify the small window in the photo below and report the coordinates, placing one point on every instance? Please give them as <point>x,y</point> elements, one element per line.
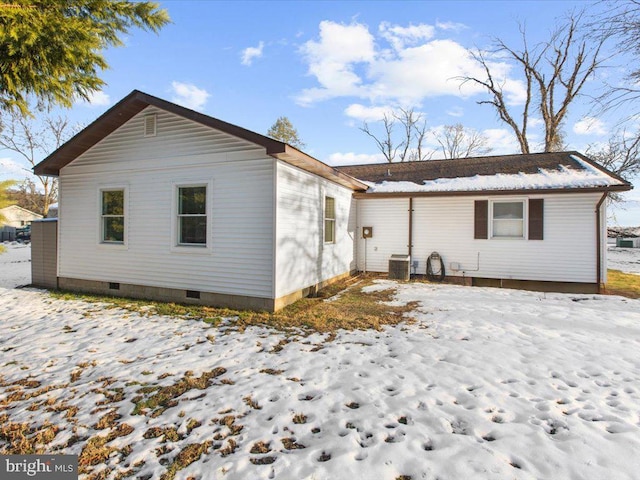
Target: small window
<point>112,216</point>
<point>508,219</point>
<point>329,220</point>
<point>192,215</point>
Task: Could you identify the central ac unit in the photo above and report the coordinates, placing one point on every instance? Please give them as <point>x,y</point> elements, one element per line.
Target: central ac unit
<point>399,267</point>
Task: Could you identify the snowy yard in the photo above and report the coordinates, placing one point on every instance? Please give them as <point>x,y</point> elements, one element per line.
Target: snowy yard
<point>484,383</point>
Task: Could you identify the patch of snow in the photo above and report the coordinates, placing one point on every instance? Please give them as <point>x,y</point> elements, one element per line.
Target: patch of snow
<point>15,265</point>
<point>544,179</point>
<point>624,259</point>
<point>486,383</point>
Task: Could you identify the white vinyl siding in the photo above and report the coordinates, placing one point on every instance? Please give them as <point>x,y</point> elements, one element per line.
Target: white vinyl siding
<point>240,180</point>
<point>389,218</point>
<point>302,256</point>
<point>446,225</point>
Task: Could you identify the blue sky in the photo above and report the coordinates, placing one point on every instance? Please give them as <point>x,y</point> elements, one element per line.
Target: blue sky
<point>328,66</point>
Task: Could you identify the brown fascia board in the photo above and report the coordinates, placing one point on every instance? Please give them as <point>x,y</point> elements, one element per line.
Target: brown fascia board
<point>137,101</point>
<point>484,193</point>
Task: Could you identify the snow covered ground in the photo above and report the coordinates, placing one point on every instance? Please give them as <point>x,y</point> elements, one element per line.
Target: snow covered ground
<point>624,259</point>
<point>15,265</point>
<point>484,383</point>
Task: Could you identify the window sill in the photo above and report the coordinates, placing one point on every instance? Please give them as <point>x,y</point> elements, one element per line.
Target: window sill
<point>191,249</point>
<point>113,245</point>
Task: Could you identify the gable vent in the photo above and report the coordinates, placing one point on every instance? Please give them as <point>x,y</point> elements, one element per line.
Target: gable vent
<point>150,125</point>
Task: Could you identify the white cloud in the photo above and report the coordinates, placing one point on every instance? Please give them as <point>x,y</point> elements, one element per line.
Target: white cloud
<point>452,26</point>
<point>12,170</point>
<point>590,126</point>
<point>399,37</point>
<point>188,95</point>
<point>502,141</point>
<point>97,98</point>
<point>251,53</point>
<point>367,114</point>
<point>333,58</point>
<point>351,158</point>
<point>456,112</point>
<point>346,62</point>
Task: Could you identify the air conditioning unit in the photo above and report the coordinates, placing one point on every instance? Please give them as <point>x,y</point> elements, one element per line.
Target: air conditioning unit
<point>399,267</point>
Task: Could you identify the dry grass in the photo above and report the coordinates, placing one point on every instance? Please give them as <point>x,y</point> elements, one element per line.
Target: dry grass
<point>260,447</point>
<point>624,284</point>
<point>22,439</point>
<point>290,444</point>
<point>164,397</point>
<point>186,457</point>
<point>351,310</point>
<point>251,402</point>
<point>299,418</point>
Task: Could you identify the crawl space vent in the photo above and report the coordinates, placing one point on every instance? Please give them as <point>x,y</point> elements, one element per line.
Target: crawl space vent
<point>150,125</point>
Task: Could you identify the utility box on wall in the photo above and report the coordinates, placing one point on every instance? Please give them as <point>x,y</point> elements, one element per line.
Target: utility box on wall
<point>367,232</point>
<point>399,267</point>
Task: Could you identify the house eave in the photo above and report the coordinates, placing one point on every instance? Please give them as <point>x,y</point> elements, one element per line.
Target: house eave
<point>299,159</point>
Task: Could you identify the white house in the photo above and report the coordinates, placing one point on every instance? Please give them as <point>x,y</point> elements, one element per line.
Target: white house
<point>17,217</point>
<point>158,201</point>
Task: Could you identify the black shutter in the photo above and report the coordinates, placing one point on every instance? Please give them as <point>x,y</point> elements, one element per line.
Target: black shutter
<point>536,218</point>
<point>481,219</point>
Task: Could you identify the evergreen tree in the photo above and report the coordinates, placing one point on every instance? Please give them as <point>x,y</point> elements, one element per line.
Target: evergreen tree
<point>5,201</point>
<point>284,131</point>
<point>52,50</point>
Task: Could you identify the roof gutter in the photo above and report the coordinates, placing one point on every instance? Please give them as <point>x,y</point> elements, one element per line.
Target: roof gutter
<point>471,193</point>
<point>598,243</point>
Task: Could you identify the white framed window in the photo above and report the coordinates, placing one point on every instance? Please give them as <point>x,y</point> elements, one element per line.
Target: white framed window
<point>508,219</point>
<point>113,225</point>
<point>192,215</point>
<point>329,220</point>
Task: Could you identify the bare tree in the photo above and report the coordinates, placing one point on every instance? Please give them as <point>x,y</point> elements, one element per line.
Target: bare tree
<point>621,154</point>
<point>420,131</point>
<point>385,144</point>
<point>411,145</point>
<point>554,74</point>
<point>620,22</point>
<point>32,140</point>
<point>456,141</point>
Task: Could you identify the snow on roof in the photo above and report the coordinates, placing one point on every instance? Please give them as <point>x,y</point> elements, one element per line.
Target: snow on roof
<point>563,177</point>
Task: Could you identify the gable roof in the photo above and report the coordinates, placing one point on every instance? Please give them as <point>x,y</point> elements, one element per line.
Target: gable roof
<point>504,174</point>
<point>137,101</point>
<point>20,209</point>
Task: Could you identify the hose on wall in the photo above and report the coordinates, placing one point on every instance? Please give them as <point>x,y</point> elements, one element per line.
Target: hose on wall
<point>438,275</point>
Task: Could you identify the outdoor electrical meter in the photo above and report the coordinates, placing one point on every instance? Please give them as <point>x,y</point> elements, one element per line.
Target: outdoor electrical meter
<point>367,232</point>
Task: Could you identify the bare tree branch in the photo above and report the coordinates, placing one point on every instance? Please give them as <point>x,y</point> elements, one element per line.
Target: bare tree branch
<point>555,72</point>
<point>32,141</point>
<point>385,144</point>
<point>456,141</point>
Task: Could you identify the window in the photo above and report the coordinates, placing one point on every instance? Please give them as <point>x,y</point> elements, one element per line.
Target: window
<point>192,215</point>
<point>508,219</point>
<point>112,216</point>
<point>329,220</point>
